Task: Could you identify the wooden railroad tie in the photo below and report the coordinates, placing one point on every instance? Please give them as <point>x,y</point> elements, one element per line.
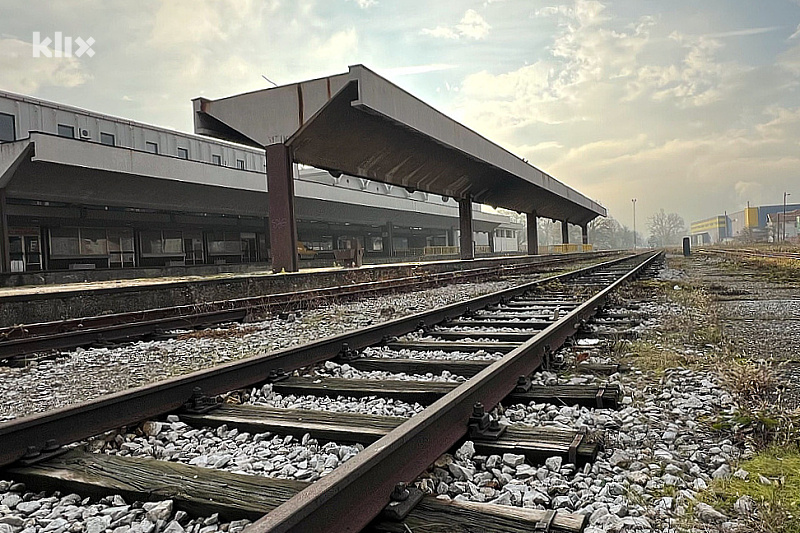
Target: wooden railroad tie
<point>459,368</point>
<point>427,392</point>
<point>448,346</point>
<point>535,443</point>
<point>204,491</point>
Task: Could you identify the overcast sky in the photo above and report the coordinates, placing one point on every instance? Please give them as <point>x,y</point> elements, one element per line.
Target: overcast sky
<point>690,106</point>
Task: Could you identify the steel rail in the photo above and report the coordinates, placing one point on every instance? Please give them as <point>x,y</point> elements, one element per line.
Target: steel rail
<point>80,421</point>
<point>751,253</point>
<point>65,334</point>
<point>353,494</point>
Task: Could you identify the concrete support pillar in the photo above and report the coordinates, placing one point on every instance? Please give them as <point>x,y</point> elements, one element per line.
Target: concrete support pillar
<point>465,226</point>
<point>5,252</point>
<point>585,233</point>
<point>533,233</point>
<point>564,232</point>
<point>282,224</point>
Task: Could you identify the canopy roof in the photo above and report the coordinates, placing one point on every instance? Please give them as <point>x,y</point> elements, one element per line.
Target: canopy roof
<point>361,124</point>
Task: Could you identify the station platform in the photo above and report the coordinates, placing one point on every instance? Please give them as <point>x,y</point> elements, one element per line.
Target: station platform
<point>51,302</point>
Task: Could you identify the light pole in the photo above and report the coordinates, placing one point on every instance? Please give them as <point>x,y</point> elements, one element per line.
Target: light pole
<point>634,223</point>
<point>785,194</point>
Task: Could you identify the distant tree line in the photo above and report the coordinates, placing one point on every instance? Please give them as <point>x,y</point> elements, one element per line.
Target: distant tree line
<point>606,233</point>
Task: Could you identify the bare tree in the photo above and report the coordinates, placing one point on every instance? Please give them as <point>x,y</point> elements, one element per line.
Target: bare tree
<point>666,229</point>
<point>606,233</point>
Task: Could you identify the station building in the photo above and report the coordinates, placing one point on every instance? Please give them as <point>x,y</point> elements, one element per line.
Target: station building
<point>85,190</point>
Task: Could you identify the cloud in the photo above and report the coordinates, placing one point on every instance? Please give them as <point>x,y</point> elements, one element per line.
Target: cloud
<point>23,73</point>
<point>742,33</point>
<point>642,109</point>
<point>472,26</point>
<point>364,4</point>
<point>441,32</point>
<point>414,69</point>
<point>796,34</point>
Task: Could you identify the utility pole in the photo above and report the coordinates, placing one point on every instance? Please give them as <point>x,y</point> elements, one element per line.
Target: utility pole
<point>634,223</point>
<point>785,194</point>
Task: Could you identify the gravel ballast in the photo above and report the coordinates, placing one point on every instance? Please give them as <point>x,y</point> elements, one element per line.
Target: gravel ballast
<point>82,375</point>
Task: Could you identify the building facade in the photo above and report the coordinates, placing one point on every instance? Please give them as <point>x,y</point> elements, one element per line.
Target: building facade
<point>752,224</point>
<point>85,190</point>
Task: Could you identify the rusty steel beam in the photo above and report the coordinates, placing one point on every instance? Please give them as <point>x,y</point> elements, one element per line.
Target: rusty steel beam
<point>533,233</point>
<point>465,227</point>
<point>352,495</point>
<point>282,223</point>
<point>81,421</point>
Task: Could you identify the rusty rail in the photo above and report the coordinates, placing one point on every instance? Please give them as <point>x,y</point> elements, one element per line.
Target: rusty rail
<point>81,421</point>
<point>352,495</point>
<point>31,338</point>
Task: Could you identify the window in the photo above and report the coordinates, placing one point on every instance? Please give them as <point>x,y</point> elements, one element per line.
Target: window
<point>64,242</point>
<point>93,241</point>
<point>151,147</point>
<point>66,131</point>
<point>108,139</point>
<point>161,243</point>
<point>7,130</point>
<point>240,164</point>
<point>216,159</point>
<point>224,243</point>
<point>183,153</point>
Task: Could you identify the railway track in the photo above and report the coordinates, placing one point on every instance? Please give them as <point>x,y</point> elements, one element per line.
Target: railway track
<point>514,332</point>
<point>23,339</point>
<point>749,253</point>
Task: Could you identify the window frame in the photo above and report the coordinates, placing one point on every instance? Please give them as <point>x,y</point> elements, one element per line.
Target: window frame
<point>148,145</point>
<point>216,159</point>
<point>13,128</point>
<point>240,164</point>
<point>106,135</point>
<point>183,153</point>
<point>65,127</point>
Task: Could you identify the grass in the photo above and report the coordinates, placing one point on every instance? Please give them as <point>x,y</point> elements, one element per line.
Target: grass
<point>778,502</point>
<point>775,269</point>
<point>653,357</point>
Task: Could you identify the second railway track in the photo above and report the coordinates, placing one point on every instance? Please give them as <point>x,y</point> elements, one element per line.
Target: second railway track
<point>22,339</point>
<point>513,332</point>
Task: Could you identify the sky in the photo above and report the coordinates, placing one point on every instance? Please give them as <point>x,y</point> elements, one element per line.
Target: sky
<point>687,106</point>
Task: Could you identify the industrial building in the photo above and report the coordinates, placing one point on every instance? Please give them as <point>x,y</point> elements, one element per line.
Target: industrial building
<point>84,190</point>
<point>751,224</point>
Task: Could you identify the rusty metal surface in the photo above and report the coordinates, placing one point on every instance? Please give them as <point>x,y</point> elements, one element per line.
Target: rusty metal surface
<point>352,495</point>
<point>84,420</point>
<point>282,222</point>
<point>465,229</point>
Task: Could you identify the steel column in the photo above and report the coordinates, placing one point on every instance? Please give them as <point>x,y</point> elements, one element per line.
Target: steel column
<point>5,253</point>
<point>533,233</point>
<point>388,241</point>
<point>564,232</point>
<point>585,233</point>
<point>465,226</point>
<point>282,224</point>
